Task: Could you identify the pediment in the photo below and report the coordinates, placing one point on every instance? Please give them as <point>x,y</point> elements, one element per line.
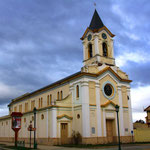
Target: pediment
<point>109,105</point>
<point>64,117</point>
<point>113,73</point>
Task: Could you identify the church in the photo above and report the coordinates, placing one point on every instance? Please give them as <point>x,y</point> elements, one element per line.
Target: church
<point>83,102</point>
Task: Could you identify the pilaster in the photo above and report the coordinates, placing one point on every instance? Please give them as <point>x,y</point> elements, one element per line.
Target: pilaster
<point>130,111</point>
<point>112,47</point>
<point>104,123</point>
<point>47,121</point>
<point>53,133</point>
<point>85,109</point>
<point>84,52</point>
<point>72,92</point>
<point>99,126</point>
<point>96,36</point>
<point>121,121</point>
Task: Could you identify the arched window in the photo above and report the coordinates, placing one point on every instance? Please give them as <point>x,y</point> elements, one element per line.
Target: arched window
<point>48,100</point>
<point>61,95</point>
<point>41,102</point>
<point>105,49</point>
<point>77,91</point>
<point>58,96</point>
<point>90,53</point>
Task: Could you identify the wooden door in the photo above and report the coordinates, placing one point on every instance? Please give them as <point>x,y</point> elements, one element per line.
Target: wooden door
<point>109,130</point>
<point>64,133</point>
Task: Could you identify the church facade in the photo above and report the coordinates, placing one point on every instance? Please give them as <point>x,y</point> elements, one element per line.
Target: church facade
<point>83,102</point>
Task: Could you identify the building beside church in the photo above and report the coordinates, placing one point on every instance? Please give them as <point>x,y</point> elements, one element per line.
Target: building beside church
<point>148,115</point>
<point>83,102</point>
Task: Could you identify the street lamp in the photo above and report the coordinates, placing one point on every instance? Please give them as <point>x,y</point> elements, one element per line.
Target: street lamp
<point>35,145</point>
<point>119,144</point>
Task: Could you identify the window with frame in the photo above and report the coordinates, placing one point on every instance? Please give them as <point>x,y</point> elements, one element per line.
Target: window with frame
<point>32,104</point>
<point>20,108</point>
<point>61,95</point>
<point>15,109</point>
<point>90,51</point>
<point>57,95</point>
<point>40,102</point>
<point>50,99</point>
<point>26,107</point>
<point>105,51</point>
<point>77,91</point>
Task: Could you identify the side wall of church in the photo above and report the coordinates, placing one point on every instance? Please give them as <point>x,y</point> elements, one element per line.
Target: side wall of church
<point>44,95</point>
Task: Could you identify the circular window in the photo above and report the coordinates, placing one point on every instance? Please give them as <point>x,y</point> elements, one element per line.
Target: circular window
<point>104,36</point>
<point>109,90</point>
<point>89,37</point>
<point>42,116</point>
<point>78,116</point>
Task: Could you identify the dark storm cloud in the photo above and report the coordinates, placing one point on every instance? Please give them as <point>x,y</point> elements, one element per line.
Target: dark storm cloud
<point>139,73</point>
<point>40,40</point>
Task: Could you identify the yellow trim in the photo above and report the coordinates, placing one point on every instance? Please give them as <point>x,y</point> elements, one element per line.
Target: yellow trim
<point>97,30</point>
<point>125,106</point>
<point>92,105</point>
<point>107,103</point>
<point>79,74</point>
<point>66,116</point>
<point>78,106</point>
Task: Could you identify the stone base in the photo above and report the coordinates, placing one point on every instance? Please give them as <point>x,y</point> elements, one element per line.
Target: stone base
<point>104,140</point>
<point>57,141</point>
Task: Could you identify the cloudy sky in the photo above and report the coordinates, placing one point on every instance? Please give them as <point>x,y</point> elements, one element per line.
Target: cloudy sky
<point>40,43</point>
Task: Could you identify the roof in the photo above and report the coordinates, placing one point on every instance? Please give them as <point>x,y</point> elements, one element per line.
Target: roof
<point>96,25</point>
<point>147,109</point>
<point>96,22</point>
<point>67,79</point>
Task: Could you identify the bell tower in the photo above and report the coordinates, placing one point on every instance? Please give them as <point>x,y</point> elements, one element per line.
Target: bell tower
<point>97,45</point>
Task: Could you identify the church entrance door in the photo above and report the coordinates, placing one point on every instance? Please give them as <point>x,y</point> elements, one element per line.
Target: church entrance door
<point>64,133</point>
<point>109,130</point>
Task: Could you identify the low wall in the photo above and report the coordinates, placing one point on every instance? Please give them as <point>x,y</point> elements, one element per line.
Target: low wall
<point>57,141</point>
<point>142,135</point>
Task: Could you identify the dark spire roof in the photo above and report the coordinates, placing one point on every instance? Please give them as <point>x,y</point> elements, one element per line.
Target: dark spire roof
<point>96,22</point>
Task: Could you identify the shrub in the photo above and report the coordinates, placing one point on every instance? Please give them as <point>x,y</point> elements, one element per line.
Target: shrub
<point>76,137</point>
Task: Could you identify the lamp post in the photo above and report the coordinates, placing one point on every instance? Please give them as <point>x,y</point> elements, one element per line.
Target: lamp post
<point>35,145</point>
<point>119,144</point>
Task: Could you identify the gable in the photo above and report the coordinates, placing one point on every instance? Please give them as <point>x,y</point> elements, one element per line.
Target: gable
<point>97,30</point>
<point>115,76</point>
<point>109,105</point>
<point>64,117</point>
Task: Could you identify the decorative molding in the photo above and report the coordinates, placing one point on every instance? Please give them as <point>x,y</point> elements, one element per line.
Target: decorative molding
<point>107,103</point>
<point>64,116</point>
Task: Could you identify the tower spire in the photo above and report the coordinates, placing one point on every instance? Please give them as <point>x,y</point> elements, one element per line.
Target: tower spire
<point>96,21</point>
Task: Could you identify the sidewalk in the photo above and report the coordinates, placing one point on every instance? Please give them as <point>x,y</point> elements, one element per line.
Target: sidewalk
<point>123,147</point>
<point>46,147</point>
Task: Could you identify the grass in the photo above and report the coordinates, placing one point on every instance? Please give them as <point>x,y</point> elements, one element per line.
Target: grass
<point>15,148</point>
